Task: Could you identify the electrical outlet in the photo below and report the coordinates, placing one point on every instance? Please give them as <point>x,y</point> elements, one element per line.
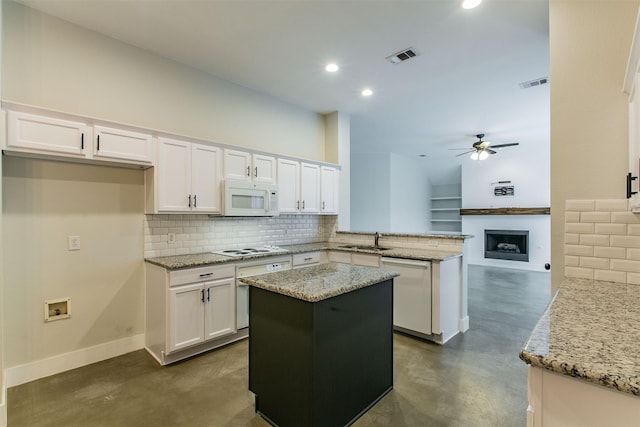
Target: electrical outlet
<point>171,237</point>
<point>74,243</point>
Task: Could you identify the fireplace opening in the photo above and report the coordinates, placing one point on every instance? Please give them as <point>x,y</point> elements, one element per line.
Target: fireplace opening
<point>512,245</point>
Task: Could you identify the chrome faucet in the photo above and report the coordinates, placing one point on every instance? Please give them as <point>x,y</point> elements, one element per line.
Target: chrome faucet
<point>376,238</point>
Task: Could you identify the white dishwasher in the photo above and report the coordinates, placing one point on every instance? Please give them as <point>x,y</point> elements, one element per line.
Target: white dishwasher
<point>411,294</point>
<point>254,268</point>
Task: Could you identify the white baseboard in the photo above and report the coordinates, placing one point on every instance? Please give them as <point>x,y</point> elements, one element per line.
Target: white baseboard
<point>463,324</point>
<point>21,374</point>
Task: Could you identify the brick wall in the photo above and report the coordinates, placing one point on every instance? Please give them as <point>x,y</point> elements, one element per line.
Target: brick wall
<point>602,241</point>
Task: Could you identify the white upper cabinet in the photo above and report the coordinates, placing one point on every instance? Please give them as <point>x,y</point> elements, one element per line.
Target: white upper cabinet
<point>61,138</point>
<point>206,174</point>
<point>46,135</point>
<point>245,166</point>
<point>329,190</point>
<point>188,177</point>
<point>237,165</point>
<point>264,168</point>
<point>309,188</point>
<point>117,144</point>
<point>289,186</point>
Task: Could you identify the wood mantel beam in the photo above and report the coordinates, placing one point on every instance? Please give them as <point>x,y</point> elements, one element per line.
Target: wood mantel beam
<point>506,211</point>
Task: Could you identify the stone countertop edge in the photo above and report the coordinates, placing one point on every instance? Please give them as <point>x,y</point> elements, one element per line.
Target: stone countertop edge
<point>590,330</point>
<point>440,234</point>
<point>320,282</point>
<point>177,262</point>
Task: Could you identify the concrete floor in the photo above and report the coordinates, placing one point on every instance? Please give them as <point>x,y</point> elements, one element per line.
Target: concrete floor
<point>476,379</point>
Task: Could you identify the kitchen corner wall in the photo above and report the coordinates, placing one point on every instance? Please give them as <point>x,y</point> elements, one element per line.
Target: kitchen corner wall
<point>602,241</point>
<point>202,233</point>
<point>590,42</point>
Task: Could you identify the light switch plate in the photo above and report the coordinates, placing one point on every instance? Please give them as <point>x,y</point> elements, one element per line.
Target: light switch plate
<point>74,243</point>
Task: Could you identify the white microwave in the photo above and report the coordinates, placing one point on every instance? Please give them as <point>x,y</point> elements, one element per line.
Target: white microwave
<point>244,198</point>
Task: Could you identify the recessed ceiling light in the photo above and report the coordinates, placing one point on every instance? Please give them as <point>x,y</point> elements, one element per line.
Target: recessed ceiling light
<point>332,68</point>
<point>367,92</point>
<point>470,4</point>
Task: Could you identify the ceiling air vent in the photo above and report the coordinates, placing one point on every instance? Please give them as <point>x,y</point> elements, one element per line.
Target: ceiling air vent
<point>536,82</point>
<point>403,55</point>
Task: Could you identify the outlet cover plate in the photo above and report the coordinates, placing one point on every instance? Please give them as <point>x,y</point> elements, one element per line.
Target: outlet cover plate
<point>74,243</point>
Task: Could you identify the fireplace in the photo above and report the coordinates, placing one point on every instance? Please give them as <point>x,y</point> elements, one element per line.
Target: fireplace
<point>512,245</point>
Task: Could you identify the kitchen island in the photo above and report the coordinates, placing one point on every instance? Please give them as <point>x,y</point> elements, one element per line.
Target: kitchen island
<point>584,357</point>
<point>320,343</point>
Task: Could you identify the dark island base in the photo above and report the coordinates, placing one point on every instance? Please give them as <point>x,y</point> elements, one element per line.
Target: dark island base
<point>324,363</point>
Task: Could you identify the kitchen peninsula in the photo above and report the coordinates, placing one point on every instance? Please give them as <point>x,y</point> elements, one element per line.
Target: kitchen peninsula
<point>583,357</point>
<point>320,343</point>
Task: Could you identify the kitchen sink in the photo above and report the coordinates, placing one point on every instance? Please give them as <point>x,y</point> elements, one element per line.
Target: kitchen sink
<point>364,247</point>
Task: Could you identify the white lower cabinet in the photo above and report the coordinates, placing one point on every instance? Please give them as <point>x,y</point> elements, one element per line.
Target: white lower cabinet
<point>201,312</point>
<point>189,311</point>
<point>368,260</point>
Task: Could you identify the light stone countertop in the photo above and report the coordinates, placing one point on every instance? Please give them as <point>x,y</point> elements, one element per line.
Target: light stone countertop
<point>317,283</point>
<point>591,331</point>
<point>177,262</point>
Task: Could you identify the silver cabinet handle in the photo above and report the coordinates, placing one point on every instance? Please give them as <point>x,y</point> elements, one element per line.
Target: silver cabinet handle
<point>256,172</point>
<point>248,170</point>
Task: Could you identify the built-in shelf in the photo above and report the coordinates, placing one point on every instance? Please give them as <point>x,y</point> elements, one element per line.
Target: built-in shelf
<point>445,207</point>
<point>447,198</point>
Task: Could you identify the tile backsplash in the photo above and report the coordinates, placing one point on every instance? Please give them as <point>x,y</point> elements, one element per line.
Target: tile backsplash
<point>202,233</point>
<point>602,241</point>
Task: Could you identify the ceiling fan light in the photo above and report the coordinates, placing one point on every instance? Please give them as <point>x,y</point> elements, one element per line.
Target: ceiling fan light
<point>483,155</point>
<point>470,4</point>
<point>474,155</point>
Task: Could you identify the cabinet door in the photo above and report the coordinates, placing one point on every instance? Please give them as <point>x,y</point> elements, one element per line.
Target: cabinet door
<point>47,135</point>
<point>220,312</point>
<point>174,175</point>
<point>122,145</point>
<point>309,188</point>
<point>237,165</point>
<point>329,190</point>
<point>339,256</point>
<point>264,169</point>
<point>186,314</point>
<point>205,178</point>
<point>288,186</point>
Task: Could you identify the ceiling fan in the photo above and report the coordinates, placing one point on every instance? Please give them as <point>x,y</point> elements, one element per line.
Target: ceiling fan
<point>480,149</point>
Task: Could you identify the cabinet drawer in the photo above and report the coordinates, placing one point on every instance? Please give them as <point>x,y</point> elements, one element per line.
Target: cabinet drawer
<point>201,274</point>
<point>309,258</point>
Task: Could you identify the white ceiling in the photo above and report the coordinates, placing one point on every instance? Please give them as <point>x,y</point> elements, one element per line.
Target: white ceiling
<point>464,81</point>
